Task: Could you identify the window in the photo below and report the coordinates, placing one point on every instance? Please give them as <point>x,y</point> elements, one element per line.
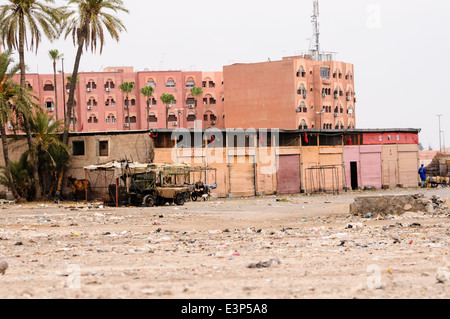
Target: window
<point>109,85</point>
<point>110,102</point>
<point>325,73</point>
<point>133,102</point>
<point>212,84</point>
<point>78,148</point>
<point>92,119</point>
<point>303,125</point>
<point>190,101</point>
<point>151,83</point>
<point>49,87</point>
<point>133,119</point>
<point>205,117</point>
<point>152,118</point>
<point>190,83</point>
<point>170,83</point>
<point>111,119</point>
<point>204,84</point>
<point>172,118</point>
<point>91,85</point>
<point>103,149</point>
<point>49,105</point>
<point>191,118</point>
<point>92,102</point>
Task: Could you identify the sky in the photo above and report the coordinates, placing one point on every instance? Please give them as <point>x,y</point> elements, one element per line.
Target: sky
<point>399,49</point>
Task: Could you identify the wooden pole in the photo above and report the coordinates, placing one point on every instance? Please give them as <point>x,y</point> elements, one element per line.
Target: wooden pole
<point>85,186</point>
<point>117,193</point>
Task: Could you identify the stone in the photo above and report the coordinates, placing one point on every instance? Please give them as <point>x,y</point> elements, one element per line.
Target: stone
<point>407,207</point>
<point>3,267</point>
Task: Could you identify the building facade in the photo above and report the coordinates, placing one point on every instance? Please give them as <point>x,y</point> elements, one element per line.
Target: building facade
<point>294,93</point>
<point>101,105</point>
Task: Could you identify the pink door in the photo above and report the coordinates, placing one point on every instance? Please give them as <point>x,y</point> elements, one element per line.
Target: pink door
<point>288,175</point>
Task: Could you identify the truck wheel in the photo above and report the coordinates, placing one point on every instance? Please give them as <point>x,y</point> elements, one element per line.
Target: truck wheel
<point>149,201</point>
<point>179,199</point>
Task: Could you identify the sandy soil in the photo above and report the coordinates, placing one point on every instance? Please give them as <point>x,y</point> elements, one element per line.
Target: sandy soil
<point>204,250</point>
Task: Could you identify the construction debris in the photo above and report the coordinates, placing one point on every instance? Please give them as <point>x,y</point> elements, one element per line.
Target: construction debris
<point>382,205</point>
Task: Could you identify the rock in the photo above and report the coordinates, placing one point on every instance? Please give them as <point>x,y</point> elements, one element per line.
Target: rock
<point>443,273</point>
<point>395,237</point>
<point>264,264</point>
<point>407,207</point>
<point>429,209</point>
<point>3,267</point>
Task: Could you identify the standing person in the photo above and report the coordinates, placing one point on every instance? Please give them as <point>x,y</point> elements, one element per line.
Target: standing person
<point>423,175</point>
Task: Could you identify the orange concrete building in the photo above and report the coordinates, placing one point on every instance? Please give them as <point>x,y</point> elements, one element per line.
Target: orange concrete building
<point>294,93</point>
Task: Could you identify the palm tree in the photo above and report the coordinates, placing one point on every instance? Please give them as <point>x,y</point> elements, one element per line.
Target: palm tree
<point>55,56</point>
<point>86,24</point>
<point>69,79</point>
<point>22,22</point>
<point>126,88</point>
<point>148,93</point>
<point>167,99</point>
<point>48,150</point>
<point>13,99</point>
<point>22,175</point>
<point>196,92</point>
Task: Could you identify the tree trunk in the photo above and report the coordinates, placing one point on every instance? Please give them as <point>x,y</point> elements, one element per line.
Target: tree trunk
<point>71,100</point>
<point>59,184</point>
<point>196,113</point>
<point>167,116</point>
<point>37,184</point>
<point>148,113</point>
<point>70,104</point>
<point>56,90</point>
<point>127,103</point>
<point>12,185</point>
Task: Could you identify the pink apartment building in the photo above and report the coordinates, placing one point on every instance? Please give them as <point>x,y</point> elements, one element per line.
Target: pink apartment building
<point>293,93</point>
<point>100,104</point>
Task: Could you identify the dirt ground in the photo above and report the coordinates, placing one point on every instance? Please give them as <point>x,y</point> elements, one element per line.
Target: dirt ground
<point>215,250</point>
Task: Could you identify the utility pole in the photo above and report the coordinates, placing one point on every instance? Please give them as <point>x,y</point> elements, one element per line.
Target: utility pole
<point>440,133</point>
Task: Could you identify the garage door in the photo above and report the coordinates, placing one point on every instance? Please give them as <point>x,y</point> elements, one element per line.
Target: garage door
<point>408,168</point>
<point>242,177</point>
<point>371,169</point>
<point>288,176</point>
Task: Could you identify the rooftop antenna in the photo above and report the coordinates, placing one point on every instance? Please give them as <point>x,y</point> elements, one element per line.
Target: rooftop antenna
<point>315,47</point>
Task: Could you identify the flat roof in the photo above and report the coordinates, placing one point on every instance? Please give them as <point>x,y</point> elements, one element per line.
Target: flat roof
<point>325,132</point>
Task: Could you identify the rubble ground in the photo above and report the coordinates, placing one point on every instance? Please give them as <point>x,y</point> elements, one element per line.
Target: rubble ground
<point>275,247</point>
